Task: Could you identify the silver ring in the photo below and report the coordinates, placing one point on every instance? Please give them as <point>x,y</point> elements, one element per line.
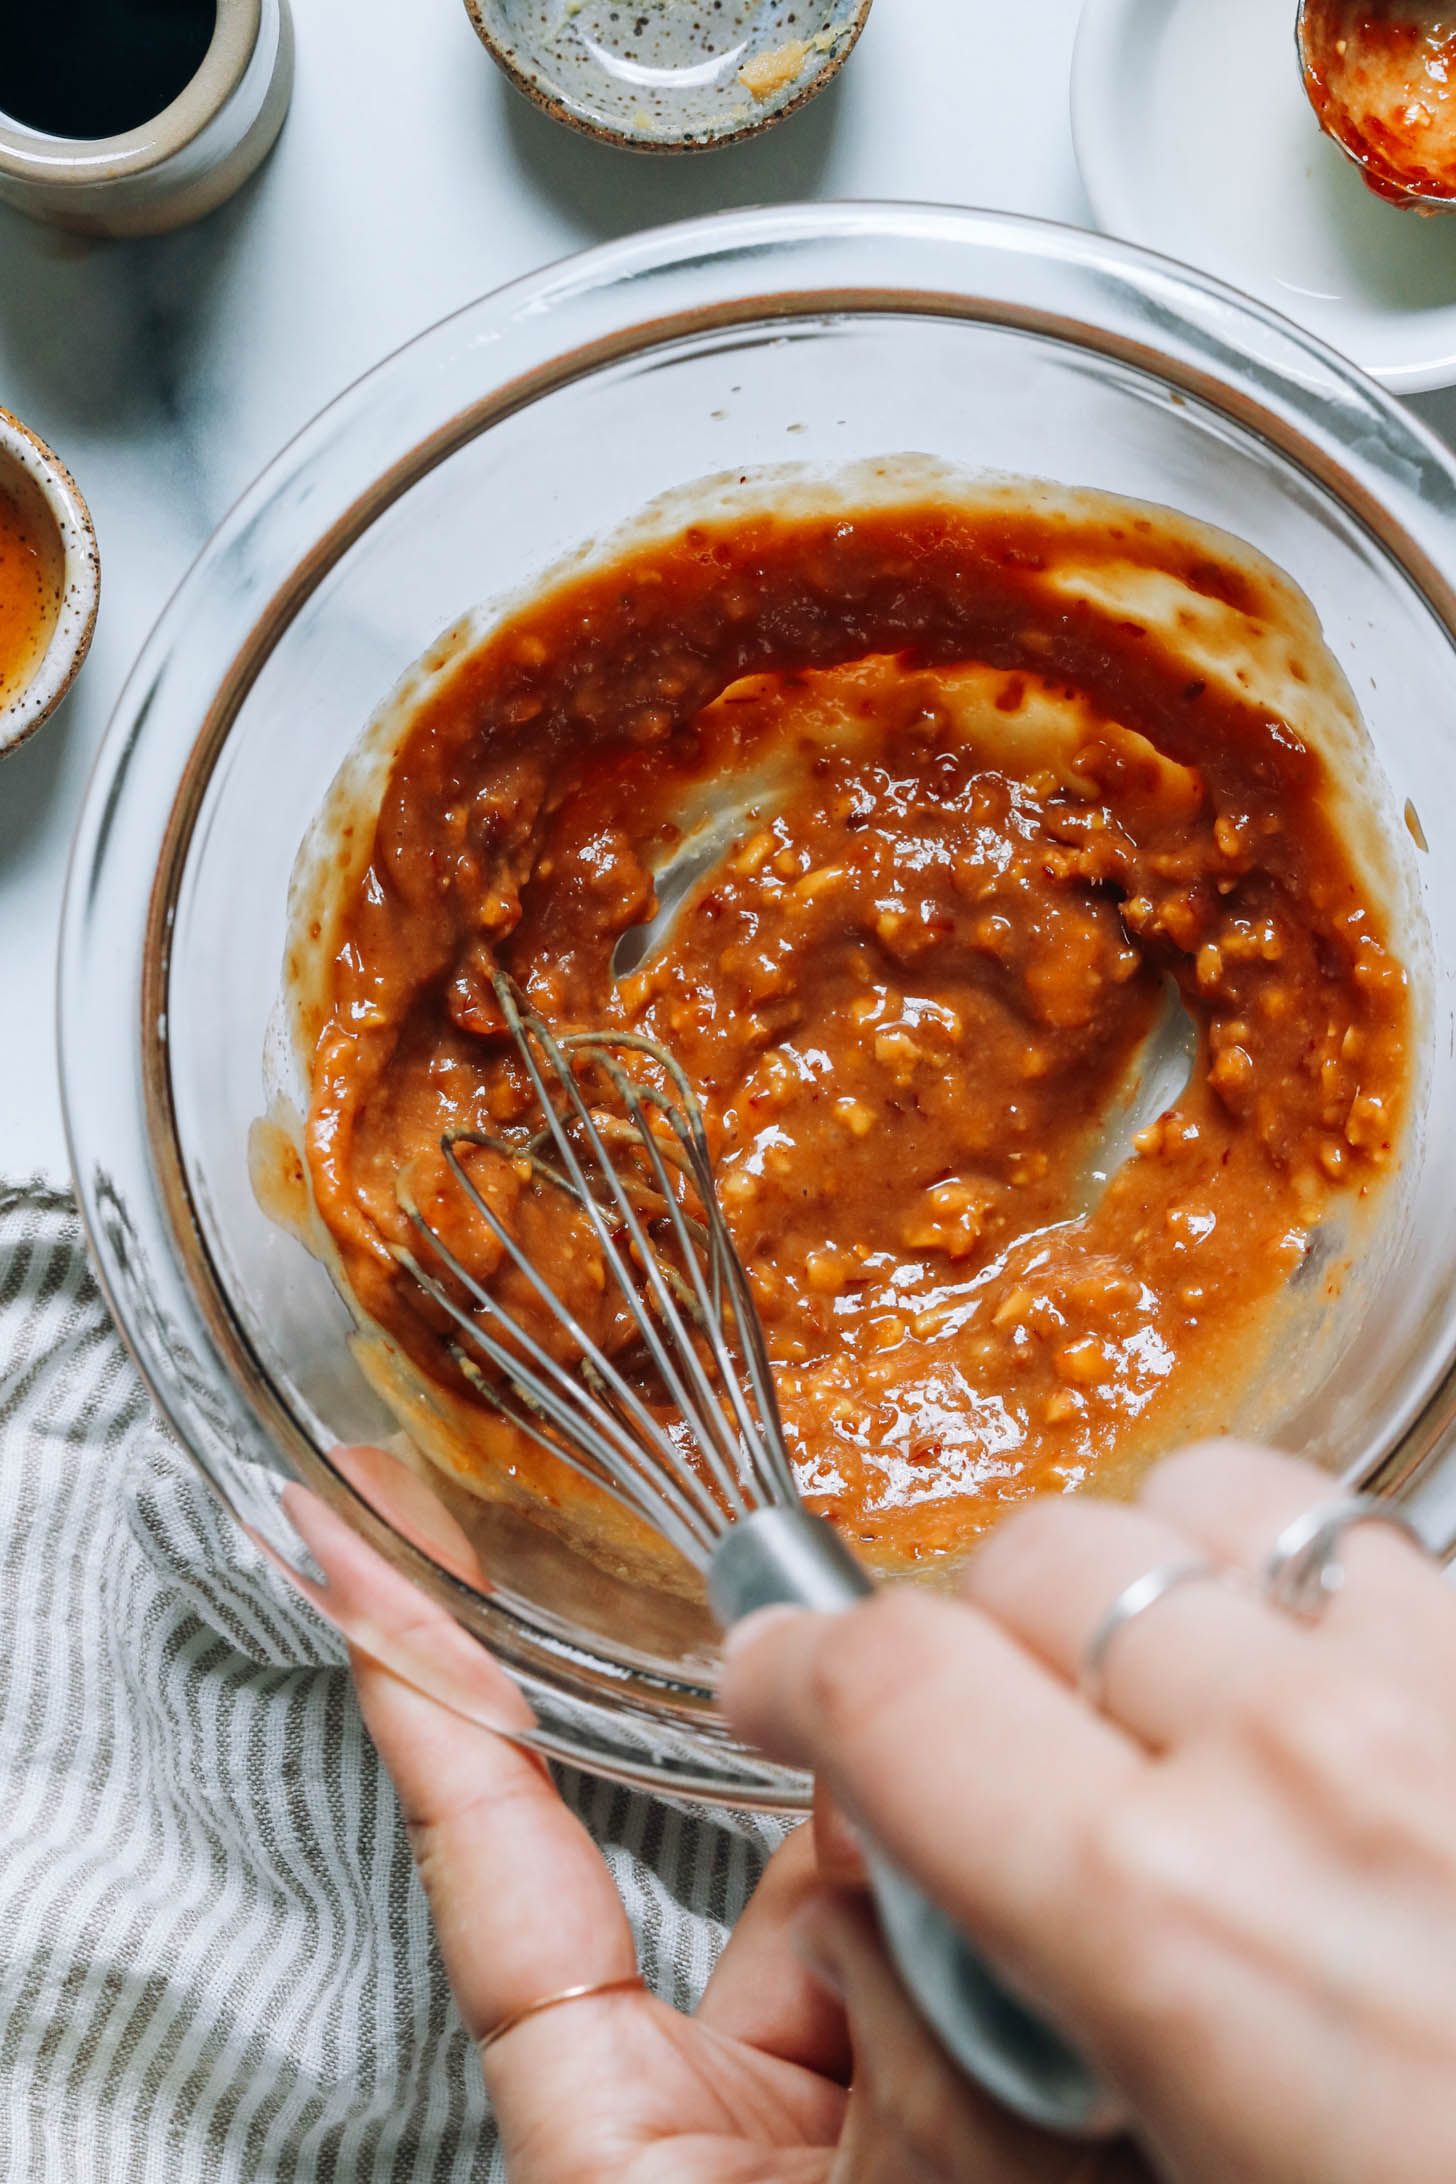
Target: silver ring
<point>1302,1571</point>
<point>1134,1600</point>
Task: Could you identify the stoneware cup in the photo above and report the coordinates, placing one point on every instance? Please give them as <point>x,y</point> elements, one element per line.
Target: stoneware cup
<point>52,509</point>
<point>181,163</point>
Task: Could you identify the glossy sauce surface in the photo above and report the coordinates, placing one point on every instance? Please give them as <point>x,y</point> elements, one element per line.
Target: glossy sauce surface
<point>1381,75</point>
<point>982,816</point>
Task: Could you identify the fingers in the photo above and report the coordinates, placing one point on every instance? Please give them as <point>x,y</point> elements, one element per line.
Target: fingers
<point>1204,1648</point>
<point>383,1614</point>
<point>524,1909</point>
<point>522,1903</point>
<point>838,1851</point>
<point>1234,1497</point>
<point>1235,1500</point>
<point>912,2114</point>
<point>478,1807</point>
<point>410,1505</point>
<point>973,1766</point>
<point>1202,1651</point>
<point>761,1991</point>
<point>953,1732</point>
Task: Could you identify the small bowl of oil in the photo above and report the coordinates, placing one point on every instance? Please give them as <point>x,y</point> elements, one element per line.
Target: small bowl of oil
<point>50,581</point>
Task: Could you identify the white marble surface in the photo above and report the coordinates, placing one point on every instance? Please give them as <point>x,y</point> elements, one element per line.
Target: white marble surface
<point>409,179</point>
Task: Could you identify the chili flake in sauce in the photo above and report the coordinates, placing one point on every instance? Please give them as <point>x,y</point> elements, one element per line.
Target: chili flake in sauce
<point>986,814</point>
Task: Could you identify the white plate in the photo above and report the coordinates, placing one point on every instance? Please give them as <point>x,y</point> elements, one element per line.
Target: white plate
<point>1195,138</point>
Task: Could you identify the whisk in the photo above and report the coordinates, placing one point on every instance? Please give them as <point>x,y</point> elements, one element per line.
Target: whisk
<point>706,1464</point>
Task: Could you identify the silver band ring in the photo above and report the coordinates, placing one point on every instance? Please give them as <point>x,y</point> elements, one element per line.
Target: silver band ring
<point>554,2001</point>
<point>1134,1600</point>
<point>1303,1572</point>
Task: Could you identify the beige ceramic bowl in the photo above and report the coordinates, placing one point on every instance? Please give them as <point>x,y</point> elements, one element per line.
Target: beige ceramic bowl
<point>51,507</point>
<point>183,162</point>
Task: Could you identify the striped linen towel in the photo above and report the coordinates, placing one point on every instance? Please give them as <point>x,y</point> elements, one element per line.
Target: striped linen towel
<point>215,1961</point>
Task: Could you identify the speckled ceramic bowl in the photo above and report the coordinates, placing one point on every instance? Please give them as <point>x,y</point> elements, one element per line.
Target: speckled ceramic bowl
<point>51,506</point>
<point>669,75</point>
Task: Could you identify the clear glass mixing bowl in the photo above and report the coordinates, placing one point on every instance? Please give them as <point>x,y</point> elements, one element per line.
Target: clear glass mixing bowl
<point>538,417</point>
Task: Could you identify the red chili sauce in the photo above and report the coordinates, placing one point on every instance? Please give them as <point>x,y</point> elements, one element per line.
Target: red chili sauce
<point>1381,76</point>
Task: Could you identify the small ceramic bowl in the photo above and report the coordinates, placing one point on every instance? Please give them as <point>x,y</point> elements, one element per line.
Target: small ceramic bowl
<point>669,75</point>
<point>183,162</point>
<point>46,499</point>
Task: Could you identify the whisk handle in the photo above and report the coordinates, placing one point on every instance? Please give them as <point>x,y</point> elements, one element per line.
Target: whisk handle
<point>786,1557</point>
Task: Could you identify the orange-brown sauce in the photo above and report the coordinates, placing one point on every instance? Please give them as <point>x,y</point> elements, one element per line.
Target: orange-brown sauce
<point>905,997</point>
<point>29,596</point>
<point>1381,76</point>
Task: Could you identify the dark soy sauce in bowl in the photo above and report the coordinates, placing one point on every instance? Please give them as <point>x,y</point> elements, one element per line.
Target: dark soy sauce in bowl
<point>98,68</point>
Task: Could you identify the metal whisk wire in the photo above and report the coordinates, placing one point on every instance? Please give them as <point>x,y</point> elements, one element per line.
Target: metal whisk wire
<point>593,1418</point>
<point>735,1511</point>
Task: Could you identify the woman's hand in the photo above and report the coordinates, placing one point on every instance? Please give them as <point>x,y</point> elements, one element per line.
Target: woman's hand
<point>620,2088</point>
<point>1234,1886</point>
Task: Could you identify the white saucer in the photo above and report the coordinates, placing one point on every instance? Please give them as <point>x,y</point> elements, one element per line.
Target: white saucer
<point>1195,138</point>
